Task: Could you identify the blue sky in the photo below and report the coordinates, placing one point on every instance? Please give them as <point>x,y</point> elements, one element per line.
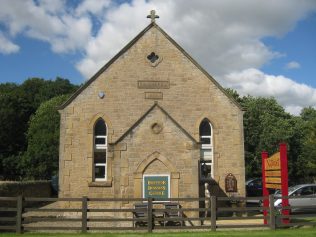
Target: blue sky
<point>261,48</point>
<point>297,45</point>
<point>35,59</point>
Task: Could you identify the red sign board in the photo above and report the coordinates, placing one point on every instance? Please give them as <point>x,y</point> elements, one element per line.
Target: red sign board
<point>275,176</point>
<point>273,162</point>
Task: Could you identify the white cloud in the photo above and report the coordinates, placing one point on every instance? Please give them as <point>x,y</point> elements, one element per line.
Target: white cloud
<point>109,40</point>
<point>292,65</point>
<point>77,36</point>
<point>52,7</point>
<point>95,7</point>
<point>47,21</point>
<point>6,46</point>
<point>223,36</point>
<point>292,95</point>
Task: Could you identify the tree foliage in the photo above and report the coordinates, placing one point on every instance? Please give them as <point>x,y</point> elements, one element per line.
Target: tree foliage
<point>266,124</point>
<point>40,160</point>
<point>17,104</point>
<point>307,158</point>
<point>14,115</point>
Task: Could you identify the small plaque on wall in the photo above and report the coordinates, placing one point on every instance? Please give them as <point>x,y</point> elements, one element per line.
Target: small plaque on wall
<point>154,95</point>
<point>153,84</point>
<point>230,183</point>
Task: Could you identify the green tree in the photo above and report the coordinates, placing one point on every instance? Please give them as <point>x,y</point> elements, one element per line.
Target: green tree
<point>306,162</point>
<point>41,158</point>
<point>14,115</point>
<point>266,124</point>
<point>38,90</point>
<point>308,114</point>
<point>11,167</point>
<point>7,87</point>
<point>17,104</point>
<point>234,94</point>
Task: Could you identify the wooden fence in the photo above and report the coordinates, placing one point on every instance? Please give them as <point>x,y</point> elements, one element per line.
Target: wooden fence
<point>21,214</point>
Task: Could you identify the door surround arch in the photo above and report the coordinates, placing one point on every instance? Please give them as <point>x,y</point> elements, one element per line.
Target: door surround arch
<point>138,175</point>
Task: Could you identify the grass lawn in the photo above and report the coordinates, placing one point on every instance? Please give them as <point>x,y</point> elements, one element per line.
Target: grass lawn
<point>305,232</point>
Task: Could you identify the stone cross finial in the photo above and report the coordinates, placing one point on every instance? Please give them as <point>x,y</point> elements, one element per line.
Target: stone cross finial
<point>152,15</point>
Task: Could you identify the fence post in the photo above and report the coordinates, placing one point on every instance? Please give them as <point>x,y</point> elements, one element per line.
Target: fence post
<point>271,212</point>
<point>84,215</point>
<point>150,214</point>
<point>213,213</point>
<point>19,211</point>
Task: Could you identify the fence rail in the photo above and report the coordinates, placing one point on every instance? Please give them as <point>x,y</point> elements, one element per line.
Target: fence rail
<point>84,214</point>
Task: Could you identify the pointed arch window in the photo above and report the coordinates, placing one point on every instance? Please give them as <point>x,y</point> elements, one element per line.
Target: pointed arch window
<point>100,151</point>
<point>100,138</point>
<point>206,134</point>
<point>206,150</point>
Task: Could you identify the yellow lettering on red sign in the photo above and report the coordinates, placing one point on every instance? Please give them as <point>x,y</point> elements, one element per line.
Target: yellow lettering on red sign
<point>273,180</point>
<point>275,186</point>
<point>273,162</point>
<point>274,173</point>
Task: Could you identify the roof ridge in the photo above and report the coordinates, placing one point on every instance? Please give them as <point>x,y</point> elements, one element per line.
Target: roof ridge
<point>128,46</point>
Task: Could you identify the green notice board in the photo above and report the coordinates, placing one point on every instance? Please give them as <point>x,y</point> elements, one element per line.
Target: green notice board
<point>156,186</point>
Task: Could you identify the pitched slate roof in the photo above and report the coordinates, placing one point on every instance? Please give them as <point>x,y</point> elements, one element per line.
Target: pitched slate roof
<point>156,105</point>
<point>127,47</point>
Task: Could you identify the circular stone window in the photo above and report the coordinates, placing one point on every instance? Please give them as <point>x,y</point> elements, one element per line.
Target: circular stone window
<point>156,128</point>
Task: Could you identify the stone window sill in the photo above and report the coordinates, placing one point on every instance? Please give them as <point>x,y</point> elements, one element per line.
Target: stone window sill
<point>101,184</point>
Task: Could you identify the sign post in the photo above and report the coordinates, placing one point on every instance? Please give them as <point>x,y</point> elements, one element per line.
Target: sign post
<point>265,192</point>
<point>275,176</point>
<point>284,183</point>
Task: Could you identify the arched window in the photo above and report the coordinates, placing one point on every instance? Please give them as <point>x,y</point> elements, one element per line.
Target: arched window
<point>100,138</point>
<point>206,134</point>
<point>206,150</point>
<point>100,150</point>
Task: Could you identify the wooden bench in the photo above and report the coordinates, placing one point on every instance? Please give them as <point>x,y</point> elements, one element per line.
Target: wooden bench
<point>171,212</point>
<point>140,212</point>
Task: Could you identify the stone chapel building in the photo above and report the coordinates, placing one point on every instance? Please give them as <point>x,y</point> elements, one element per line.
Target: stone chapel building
<point>150,123</point>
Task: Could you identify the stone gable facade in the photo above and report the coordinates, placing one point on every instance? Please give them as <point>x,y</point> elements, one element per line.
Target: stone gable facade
<point>152,97</point>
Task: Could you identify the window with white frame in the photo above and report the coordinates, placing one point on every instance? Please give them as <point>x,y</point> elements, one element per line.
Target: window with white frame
<point>100,151</point>
<point>206,150</point>
<point>206,134</point>
<point>100,166</point>
<point>100,136</point>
